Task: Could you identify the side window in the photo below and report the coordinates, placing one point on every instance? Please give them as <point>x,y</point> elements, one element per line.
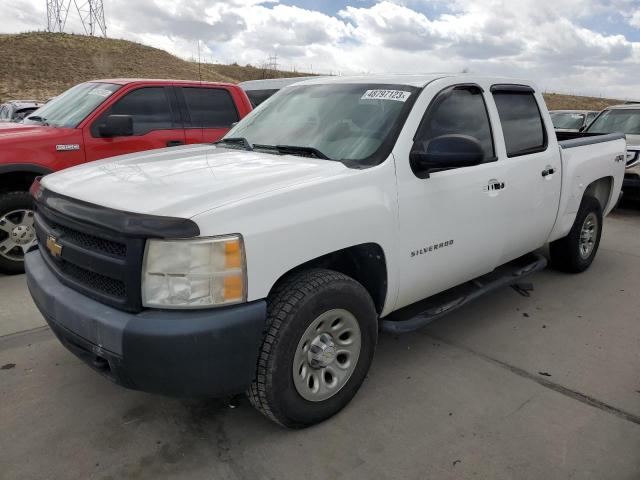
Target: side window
<point>521,121</point>
<point>149,108</point>
<point>4,112</point>
<point>210,107</point>
<point>459,110</point>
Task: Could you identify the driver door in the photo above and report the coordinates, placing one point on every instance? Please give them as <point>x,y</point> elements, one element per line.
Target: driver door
<point>451,221</point>
<point>156,124</point>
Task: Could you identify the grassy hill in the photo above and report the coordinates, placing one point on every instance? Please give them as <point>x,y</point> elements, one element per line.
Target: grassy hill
<point>40,65</point>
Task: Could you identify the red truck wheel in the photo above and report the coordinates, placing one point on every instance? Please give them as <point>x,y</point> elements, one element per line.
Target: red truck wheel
<point>17,233</point>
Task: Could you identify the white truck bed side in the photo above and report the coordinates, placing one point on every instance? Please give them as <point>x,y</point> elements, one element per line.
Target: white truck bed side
<point>585,160</point>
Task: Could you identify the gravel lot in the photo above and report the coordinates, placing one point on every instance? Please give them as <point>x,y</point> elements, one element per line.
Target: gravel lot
<point>545,387</point>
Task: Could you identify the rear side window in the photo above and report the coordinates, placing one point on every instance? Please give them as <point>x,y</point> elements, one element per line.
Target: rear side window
<point>521,121</point>
<point>210,107</point>
<point>149,107</point>
<point>256,97</point>
<point>459,110</point>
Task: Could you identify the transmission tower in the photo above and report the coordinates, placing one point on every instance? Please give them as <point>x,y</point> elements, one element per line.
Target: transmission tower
<point>91,13</point>
<point>57,12</point>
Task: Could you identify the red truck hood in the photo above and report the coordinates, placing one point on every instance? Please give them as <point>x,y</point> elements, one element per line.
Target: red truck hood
<point>21,131</point>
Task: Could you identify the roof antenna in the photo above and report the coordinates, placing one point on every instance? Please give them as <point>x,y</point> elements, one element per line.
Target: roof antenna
<point>199,72</point>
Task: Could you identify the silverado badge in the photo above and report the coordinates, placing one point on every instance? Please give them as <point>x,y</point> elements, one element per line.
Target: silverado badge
<point>53,246</point>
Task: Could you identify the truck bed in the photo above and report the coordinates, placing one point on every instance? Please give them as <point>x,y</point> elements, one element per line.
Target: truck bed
<point>586,158</point>
<point>578,139</point>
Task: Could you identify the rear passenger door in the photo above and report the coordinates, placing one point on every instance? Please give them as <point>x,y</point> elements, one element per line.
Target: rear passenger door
<point>531,170</point>
<point>208,113</point>
<point>156,124</point>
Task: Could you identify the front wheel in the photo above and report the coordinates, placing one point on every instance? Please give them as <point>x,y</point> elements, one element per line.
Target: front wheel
<point>17,232</point>
<point>318,346</point>
<point>575,252</point>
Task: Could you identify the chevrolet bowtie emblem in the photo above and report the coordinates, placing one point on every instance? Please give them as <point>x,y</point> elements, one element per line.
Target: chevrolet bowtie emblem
<point>53,246</point>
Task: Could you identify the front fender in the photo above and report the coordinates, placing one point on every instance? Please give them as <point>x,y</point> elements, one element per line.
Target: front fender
<point>294,225</point>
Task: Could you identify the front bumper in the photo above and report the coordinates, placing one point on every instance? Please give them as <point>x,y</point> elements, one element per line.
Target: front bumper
<point>185,353</point>
<point>632,177</point>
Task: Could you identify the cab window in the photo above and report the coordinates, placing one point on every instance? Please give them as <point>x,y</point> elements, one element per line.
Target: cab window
<point>459,110</point>
<point>522,125</point>
<point>149,108</point>
<point>210,107</point>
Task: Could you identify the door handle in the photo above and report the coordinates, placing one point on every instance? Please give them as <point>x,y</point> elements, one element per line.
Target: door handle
<point>174,143</point>
<point>548,171</point>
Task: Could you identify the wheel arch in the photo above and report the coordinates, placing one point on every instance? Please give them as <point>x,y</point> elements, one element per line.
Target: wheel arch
<point>366,263</point>
<point>601,190</point>
<point>19,176</point>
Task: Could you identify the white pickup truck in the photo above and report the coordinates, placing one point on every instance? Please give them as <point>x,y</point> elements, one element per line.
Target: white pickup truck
<point>269,262</point>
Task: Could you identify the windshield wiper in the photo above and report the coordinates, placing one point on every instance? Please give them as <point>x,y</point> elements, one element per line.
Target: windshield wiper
<point>241,141</point>
<point>295,150</point>
<point>37,118</point>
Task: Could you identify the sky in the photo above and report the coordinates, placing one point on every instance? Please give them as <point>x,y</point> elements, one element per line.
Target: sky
<point>589,47</point>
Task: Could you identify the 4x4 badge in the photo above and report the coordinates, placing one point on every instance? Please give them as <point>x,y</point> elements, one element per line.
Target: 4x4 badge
<point>54,247</point>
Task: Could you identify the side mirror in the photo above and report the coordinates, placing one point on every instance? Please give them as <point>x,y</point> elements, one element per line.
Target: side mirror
<point>582,128</point>
<point>117,126</point>
<point>445,153</point>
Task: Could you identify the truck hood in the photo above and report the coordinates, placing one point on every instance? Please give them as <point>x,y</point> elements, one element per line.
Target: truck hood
<point>633,142</point>
<point>185,181</point>
<point>10,129</point>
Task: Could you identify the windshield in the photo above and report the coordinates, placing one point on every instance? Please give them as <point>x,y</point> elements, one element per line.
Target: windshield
<point>72,106</point>
<point>567,120</point>
<point>622,120</point>
<point>336,121</point>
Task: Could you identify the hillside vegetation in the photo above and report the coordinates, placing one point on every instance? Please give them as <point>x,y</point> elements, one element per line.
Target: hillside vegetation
<point>40,65</point>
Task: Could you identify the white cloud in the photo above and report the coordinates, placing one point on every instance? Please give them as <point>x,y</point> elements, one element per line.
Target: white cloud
<point>540,39</point>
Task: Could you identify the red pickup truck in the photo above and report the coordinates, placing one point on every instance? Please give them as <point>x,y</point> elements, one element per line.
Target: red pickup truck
<point>100,119</point>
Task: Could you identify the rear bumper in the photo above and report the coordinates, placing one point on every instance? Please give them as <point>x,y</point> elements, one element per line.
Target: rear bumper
<point>185,353</point>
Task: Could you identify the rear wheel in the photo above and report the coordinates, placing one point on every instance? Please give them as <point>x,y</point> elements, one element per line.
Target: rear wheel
<point>320,339</point>
<point>17,232</point>
<point>575,252</point>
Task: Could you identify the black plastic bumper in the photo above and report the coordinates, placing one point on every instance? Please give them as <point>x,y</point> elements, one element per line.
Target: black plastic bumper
<point>631,181</point>
<point>185,353</point>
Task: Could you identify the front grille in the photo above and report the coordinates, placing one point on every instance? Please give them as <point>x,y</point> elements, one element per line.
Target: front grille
<point>98,262</point>
<point>91,242</point>
<point>100,283</point>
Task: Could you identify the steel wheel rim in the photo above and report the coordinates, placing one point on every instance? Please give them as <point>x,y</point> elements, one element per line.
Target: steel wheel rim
<point>588,234</point>
<point>17,234</point>
<point>327,355</point>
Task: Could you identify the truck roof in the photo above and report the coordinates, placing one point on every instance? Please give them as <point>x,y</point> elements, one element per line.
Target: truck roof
<point>273,83</point>
<point>127,81</point>
<point>624,106</point>
<point>414,80</point>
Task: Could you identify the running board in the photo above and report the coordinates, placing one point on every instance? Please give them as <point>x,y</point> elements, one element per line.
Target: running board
<point>419,314</point>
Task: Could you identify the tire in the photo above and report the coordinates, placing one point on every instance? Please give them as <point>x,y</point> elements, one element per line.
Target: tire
<point>569,254</point>
<point>11,253</point>
<point>293,310</point>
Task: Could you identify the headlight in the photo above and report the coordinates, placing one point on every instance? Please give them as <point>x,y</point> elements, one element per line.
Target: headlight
<point>196,273</point>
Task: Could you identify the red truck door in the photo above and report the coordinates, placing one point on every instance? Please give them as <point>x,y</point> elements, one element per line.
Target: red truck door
<point>208,112</point>
<point>156,124</point>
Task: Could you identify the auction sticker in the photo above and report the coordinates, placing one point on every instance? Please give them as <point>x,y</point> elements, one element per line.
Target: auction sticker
<point>397,95</point>
<point>101,92</point>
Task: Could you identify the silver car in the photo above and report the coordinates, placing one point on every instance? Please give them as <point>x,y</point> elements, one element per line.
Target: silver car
<point>625,119</point>
<point>572,120</point>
